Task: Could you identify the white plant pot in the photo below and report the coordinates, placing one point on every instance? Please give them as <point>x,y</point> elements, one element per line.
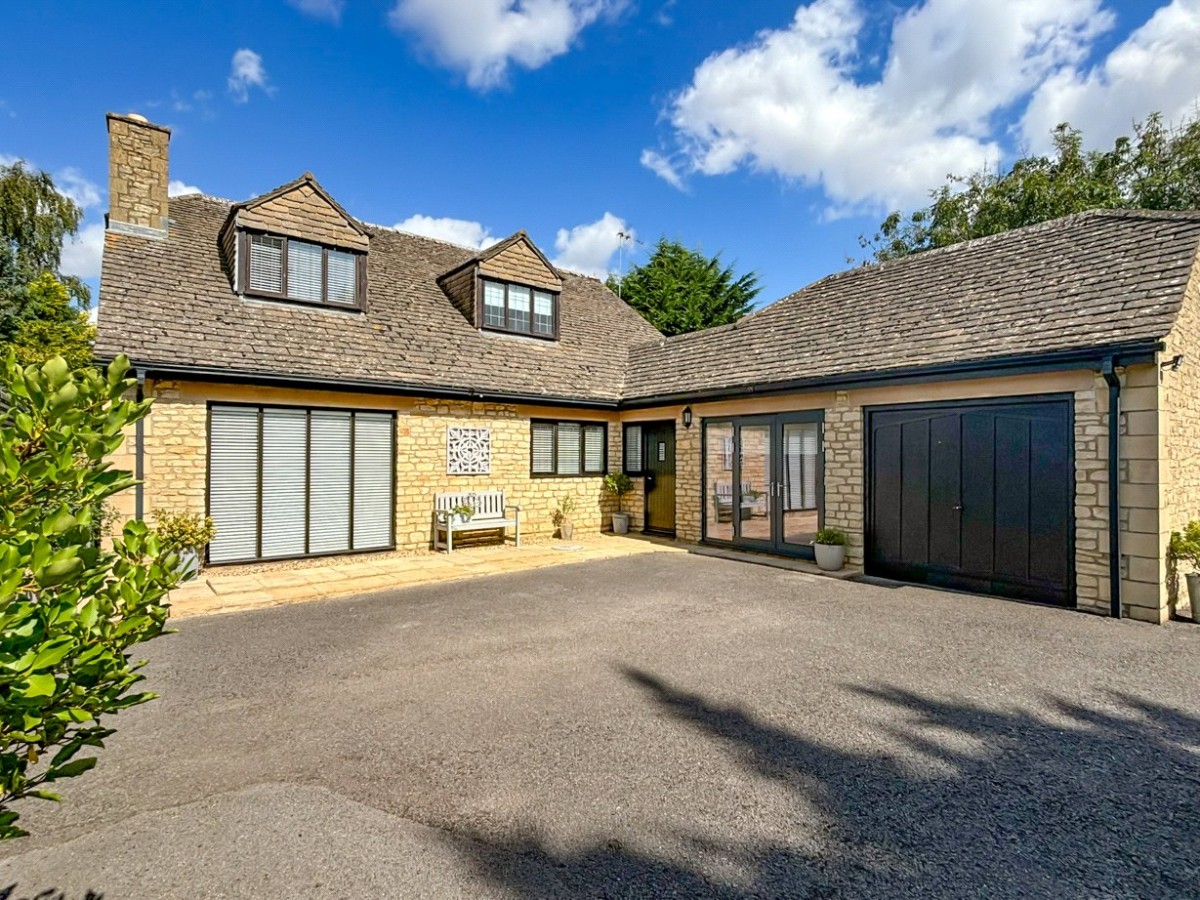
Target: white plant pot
<point>189,565</point>
<point>830,557</point>
<point>620,523</point>
<point>566,530</point>
<point>1193,586</point>
<point>460,518</point>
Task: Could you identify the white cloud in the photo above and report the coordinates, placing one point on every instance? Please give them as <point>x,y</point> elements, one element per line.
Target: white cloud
<point>801,102</point>
<point>590,248</point>
<point>321,9</point>
<point>482,38</point>
<point>1155,69</point>
<point>177,188</point>
<point>457,231</point>
<point>7,160</point>
<point>246,71</point>
<point>73,184</point>
<point>81,254</point>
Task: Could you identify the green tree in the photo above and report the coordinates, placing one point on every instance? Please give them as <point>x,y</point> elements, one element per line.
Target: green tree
<point>1157,168</point>
<point>679,290</point>
<point>53,326</point>
<point>70,610</point>
<point>35,220</point>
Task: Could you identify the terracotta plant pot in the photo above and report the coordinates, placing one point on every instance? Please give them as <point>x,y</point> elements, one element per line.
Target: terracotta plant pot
<point>620,523</point>
<point>830,557</point>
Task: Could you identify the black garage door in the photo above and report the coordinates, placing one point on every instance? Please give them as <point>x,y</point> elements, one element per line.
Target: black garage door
<point>973,495</point>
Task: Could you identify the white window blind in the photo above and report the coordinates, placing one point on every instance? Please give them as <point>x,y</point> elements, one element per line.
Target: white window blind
<point>329,482</point>
<point>266,263</point>
<point>284,452</point>
<point>342,277</point>
<point>593,449</point>
<point>372,481</point>
<point>801,446</point>
<point>304,270</point>
<point>542,455</point>
<point>633,448</point>
<point>568,449</point>
<point>233,483</point>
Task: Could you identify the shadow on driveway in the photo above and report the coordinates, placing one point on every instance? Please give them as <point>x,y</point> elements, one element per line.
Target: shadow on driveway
<point>1095,804</point>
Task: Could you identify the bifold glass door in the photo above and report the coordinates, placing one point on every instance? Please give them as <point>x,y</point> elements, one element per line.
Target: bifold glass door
<point>763,481</point>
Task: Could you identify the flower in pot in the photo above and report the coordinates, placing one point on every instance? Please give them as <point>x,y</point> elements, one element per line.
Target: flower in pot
<point>1185,548</point>
<point>830,549</point>
<point>562,516</point>
<point>462,513</point>
<point>185,534</point>
<point>619,484</point>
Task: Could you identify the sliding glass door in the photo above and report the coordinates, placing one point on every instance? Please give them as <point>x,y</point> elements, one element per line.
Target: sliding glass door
<point>763,481</point>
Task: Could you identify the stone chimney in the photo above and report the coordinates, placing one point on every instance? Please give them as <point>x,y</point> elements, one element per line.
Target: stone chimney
<point>137,176</point>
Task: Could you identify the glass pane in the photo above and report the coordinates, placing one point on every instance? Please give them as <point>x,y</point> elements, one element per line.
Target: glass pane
<point>329,482</point>
<point>343,277</point>
<point>542,455</point>
<point>754,489</point>
<point>593,448</point>
<point>633,448</point>
<point>568,449</point>
<point>543,312</point>
<point>266,264</point>
<point>718,481</point>
<point>304,271</point>
<point>284,451</point>
<point>801,459</point>
<point>518,308</point>
<point>493,304</point>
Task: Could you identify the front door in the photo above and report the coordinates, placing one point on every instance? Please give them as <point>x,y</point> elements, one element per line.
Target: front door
<point>763,481</point>
<point>658,451</point>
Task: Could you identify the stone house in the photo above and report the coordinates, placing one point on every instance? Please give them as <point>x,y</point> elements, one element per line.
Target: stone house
<point>970,417</point>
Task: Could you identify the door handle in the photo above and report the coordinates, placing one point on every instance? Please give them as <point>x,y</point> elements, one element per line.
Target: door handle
<point>957,507</point>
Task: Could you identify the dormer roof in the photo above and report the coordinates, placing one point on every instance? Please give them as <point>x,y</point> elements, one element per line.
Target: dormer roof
<point>301,209</point>
<point>516,258</point>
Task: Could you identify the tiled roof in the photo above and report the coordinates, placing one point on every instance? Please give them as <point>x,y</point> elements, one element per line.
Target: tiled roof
<point>169,302</point>
<point>1090,280</point>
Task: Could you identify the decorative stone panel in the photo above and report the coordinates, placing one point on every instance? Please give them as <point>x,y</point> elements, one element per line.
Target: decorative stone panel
<point>468,451</point>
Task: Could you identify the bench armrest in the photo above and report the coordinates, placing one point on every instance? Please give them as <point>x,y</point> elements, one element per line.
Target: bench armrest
<point>441,516</point>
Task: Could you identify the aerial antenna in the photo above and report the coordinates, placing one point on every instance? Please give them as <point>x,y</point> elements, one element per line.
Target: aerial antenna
<point>622,237</point>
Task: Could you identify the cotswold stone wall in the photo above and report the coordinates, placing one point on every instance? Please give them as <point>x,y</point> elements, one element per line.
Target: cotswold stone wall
<point>137,172</point>
<point>844,473</point>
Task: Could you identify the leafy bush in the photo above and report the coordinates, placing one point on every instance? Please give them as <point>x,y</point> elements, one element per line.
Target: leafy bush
<point>566,506</point>
<point>179,531</point>
<point>831,537</point>
<point>618,484</point>
<point>1185,547</point>
<point>69,609</point>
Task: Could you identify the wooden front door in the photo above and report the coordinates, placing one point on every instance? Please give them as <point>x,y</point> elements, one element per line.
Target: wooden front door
<point>659,455</point>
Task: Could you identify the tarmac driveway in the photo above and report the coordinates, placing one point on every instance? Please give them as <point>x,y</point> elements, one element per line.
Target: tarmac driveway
<point>656,726</point>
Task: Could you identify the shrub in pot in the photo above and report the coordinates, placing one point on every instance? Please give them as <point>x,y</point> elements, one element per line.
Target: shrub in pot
<point>1185,549</point>
<point>830,549</point>
<point>619,484</point>
<point>562,517</point>
<point>184,533</point>
<point>462,513</point>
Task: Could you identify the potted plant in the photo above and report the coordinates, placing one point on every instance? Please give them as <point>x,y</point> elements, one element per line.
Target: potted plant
<point>830,549</point>
<point>462,513</point>
<point>1185,548</point>
<point>619,484</point>
<point>185,534</point>
<point>562,516</point>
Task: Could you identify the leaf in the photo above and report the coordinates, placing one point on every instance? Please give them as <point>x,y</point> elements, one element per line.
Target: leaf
<point>52,653</point>
<point>71,769</point>
<point>56,371</point>
<point>61,570</point>
<point>41,685</point>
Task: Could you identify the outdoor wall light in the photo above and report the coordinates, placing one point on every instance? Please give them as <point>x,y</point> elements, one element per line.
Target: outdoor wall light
<point>687,417</point>
<point>1173,364</point>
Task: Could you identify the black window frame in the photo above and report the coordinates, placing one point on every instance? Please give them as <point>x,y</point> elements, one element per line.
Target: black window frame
<point>481,308</point>
<point>583,471</point>
<point>308,411</point>
<point>360,272</point>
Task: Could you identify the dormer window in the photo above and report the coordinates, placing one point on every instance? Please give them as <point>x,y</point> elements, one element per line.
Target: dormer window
<point>519,309</point>
<point>284,268</point>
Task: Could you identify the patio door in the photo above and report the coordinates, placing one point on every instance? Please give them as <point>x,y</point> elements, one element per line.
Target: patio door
<point>763,481</point>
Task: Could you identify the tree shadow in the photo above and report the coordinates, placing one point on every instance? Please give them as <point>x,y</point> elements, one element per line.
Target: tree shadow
<point>969,801</point>
<point>13,892</point>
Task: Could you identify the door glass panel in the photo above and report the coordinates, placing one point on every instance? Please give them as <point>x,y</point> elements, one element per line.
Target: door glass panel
<point>798,495</point>
<point>755,483</point>
<point>718,478</point>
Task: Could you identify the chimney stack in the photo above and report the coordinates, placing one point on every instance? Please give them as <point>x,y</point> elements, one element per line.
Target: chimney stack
<point>137,176</point>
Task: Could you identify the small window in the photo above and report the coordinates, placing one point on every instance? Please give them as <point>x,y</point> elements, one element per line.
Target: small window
<point>519,309</point>
<point>568,448</point>
<point>633,450</point>
<point>289,269</point>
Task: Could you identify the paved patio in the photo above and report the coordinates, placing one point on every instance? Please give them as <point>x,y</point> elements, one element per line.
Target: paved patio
<point>658,725</point>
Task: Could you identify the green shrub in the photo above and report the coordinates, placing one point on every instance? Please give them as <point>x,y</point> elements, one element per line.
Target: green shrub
<point>832,537</point>
<point>1185,546</point>
<point>70,610</point>
<point>618,484</point>
<point>179,531</point>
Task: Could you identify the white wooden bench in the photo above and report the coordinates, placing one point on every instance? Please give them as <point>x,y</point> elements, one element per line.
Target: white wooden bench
<point>490,514</point>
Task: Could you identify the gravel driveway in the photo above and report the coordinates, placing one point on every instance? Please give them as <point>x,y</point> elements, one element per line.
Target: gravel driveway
<point>658,726</point>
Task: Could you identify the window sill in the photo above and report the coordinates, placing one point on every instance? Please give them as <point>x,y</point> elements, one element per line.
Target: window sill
<point>311,304</point>
<point>505,332</point>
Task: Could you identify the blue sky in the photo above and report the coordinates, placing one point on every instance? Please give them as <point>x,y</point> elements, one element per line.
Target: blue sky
<point>774,132</point>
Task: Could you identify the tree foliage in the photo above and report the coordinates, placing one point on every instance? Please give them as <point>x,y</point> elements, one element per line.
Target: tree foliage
<point>70,610</point>
<point>1157,168</point>
<point>52,327</point>
<point>680,290</point>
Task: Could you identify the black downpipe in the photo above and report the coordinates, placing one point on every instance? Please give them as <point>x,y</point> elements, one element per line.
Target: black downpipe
<point>139,444</point>
<point>1114,485</point>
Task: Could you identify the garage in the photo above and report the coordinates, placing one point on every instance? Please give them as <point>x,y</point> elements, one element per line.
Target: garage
<point>975,495</point>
